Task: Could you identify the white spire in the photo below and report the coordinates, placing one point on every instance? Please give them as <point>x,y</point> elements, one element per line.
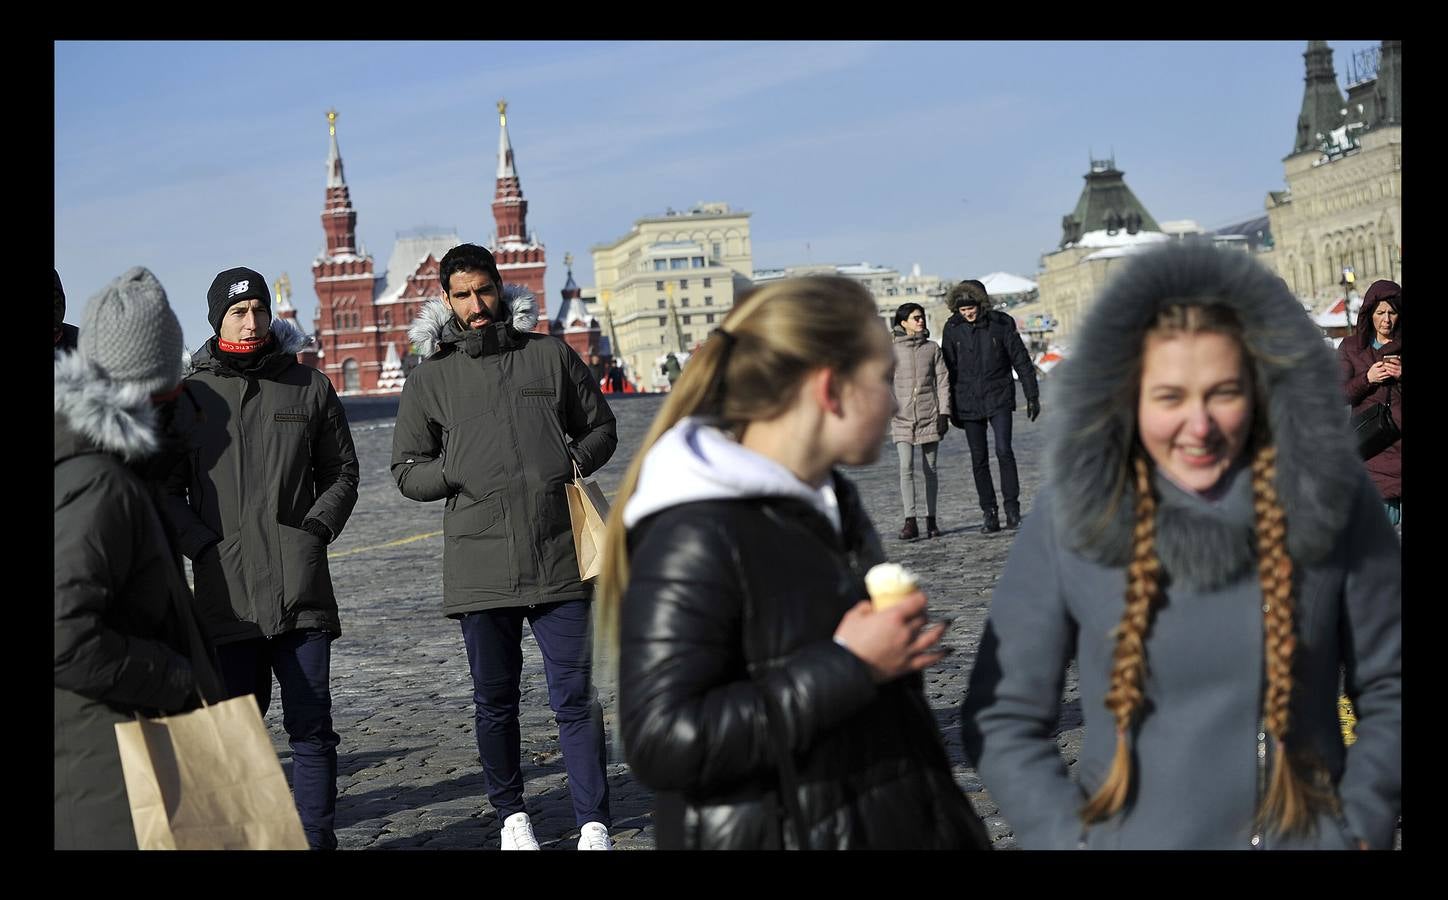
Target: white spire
<point>505,147</point>
<point>334,156</point>
<point>391,377</point>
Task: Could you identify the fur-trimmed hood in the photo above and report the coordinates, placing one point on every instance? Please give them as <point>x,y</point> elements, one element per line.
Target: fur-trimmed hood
<point>430,330</point>
<point>290,340</point>
<point>116,418</point>
<point>1093,436</point>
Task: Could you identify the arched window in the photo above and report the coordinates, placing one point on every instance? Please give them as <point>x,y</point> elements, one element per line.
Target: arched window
<point>351,377</point>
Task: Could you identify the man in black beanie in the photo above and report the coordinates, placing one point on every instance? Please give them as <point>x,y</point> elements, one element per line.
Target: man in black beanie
<point>66,336</point>
<point>276,484</point>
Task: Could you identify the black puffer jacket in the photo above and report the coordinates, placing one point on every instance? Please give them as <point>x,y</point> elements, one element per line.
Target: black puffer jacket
<point>272,450</point>
<point>732,605</point>
<point>126,638</point>
<point>979,357</point>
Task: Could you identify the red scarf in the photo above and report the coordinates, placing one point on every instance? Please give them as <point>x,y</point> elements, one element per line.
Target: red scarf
<point>228,347</point>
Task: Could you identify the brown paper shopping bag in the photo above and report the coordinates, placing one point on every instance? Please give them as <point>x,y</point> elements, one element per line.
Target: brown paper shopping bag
<point>208,780</point>
<point>588,509</point>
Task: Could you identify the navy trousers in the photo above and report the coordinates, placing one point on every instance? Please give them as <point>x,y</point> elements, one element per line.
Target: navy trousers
<point>302,661</point>
<point>974,429</point>
<point>494,640</point>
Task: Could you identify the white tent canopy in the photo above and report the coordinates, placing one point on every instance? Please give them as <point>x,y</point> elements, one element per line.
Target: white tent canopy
<point>1006,283</point>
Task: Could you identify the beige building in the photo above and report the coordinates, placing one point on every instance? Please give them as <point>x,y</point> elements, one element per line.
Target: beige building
<point>666,284</point>
<point>887,285</point>
<point>1343,203</point>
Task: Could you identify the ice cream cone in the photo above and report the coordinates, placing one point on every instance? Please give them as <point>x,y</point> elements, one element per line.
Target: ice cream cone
<point>889,584</point>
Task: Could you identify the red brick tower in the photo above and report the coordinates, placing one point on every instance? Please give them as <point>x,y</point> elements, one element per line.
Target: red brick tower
<point>343,279</point>
<point>521,259</point>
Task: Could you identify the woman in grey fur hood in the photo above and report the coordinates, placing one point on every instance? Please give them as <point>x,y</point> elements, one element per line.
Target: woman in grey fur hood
<point>1213,555</point>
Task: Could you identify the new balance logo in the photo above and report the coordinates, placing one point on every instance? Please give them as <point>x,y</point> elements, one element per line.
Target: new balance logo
<point>238,288</point>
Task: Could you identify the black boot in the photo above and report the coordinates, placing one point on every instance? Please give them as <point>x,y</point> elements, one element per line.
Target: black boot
<point>930,530</point>
<point>1013,516</point>
<point>910,532</point>
<point>992,522</point>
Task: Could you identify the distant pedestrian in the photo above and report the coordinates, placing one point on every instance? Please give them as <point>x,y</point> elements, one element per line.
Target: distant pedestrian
<point>922,391</point>
<point>271,483</point>
<point>1209,552</point>
<point>981,346</point>
<point>496,420</point>
<point>671,369</point>
<point>66,336</point>
<point>1371,360</point>
<point>759,694</point>
<point>127,642</point>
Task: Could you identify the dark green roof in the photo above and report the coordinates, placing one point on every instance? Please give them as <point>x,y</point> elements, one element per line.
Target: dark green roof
<point>1106,204</point>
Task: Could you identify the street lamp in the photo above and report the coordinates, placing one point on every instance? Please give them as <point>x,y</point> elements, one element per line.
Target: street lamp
<point>1347,282</point>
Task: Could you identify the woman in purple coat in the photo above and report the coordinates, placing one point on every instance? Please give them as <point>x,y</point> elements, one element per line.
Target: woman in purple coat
<point>1372,372</point>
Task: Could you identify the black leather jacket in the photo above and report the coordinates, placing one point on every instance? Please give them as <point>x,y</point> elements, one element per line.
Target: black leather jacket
<point>731,606</point>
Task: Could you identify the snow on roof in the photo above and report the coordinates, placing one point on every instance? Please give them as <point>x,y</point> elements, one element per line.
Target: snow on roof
<point>1334,316</point>
<point>1112,253</point>
<point>1119,239</point>
<point>516,245</point>
<point>1006,283</point>
<point>574,309</point>
<point>407,254</point>
<point>323,257</point>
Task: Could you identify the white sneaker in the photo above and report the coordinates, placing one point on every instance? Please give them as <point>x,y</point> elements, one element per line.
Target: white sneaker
<point>518,833</point>
<point>594,836</point>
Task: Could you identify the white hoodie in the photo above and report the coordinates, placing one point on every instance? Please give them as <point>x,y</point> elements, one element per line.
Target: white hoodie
<point>696,461</point>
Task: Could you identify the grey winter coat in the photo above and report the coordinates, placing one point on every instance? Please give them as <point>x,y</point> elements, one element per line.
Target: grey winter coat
<point>980,357</point>
<point>1198,776</point>
<point>272,449</point>
<point>922,389</point>
<point>126,636</point>
<point>493,421</point>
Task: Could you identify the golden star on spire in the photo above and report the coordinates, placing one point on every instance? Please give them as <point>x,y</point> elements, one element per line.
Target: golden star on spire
<point>331,121</point>
<point>503,112</point>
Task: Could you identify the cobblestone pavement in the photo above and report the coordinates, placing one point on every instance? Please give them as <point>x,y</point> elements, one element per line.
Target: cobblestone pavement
<point>409,775</point>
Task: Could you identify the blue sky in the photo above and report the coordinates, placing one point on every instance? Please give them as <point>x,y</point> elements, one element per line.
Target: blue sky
<point>193,157</point>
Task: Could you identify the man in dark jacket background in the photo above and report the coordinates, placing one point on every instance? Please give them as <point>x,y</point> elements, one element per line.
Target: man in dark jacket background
<point>981,346</point>
<point>494,421</point>
<point>271,481</point>
<point>126,638</point>
<point>66,336</point>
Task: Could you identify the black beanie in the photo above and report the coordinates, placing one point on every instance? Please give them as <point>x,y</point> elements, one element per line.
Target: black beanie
<point>232,287</point>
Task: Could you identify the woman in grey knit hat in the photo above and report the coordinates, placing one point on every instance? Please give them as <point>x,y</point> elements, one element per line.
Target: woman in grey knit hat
<point>1212,554</point>
<point>126,639</point>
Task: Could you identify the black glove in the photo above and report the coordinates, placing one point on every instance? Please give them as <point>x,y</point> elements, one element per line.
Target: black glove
<point>178,685</point>
<point>316,529</point>
<point>1033,408</point>
<point>955,420</point>
<point>942,424</point>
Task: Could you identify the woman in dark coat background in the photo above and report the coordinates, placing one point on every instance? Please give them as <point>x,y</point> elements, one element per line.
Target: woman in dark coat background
<point>1372,372</point>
